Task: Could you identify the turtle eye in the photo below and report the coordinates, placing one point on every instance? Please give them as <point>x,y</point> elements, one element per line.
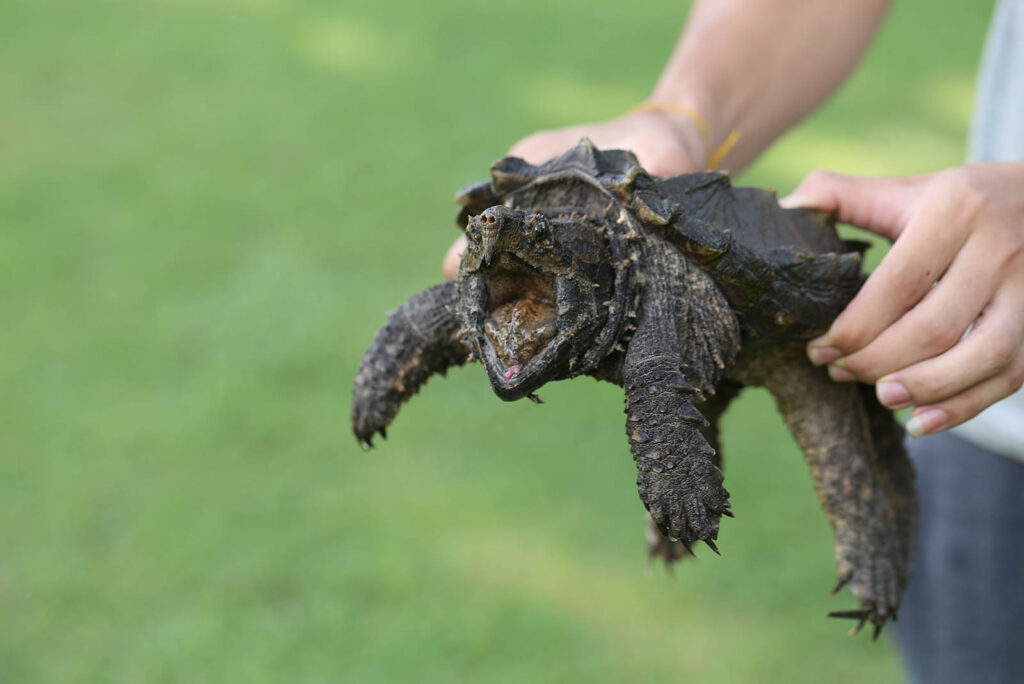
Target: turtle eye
<point>535,226</point>
<point>473,228</point>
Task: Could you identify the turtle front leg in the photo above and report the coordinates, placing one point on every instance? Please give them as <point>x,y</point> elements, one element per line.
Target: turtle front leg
<point>419,339</point>
<point>658,545</point>
<point>861,472</point>
<point>665,375</point>
<point>686,336</point>
<point>678,481</point>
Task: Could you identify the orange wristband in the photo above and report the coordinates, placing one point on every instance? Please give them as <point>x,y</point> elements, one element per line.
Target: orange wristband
<point>716,156</point>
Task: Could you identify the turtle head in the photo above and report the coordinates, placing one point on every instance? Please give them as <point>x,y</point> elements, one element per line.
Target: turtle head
<point>533,291</point>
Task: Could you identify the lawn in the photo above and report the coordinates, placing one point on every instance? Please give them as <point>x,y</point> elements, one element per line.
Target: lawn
<point>206,207</point>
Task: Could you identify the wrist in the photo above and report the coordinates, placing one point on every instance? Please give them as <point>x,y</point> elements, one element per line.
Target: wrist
<point>685,125</point>
<point>687,117</point>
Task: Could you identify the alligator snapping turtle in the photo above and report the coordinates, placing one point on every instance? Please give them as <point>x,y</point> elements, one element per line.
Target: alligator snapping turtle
<point>681,290</point>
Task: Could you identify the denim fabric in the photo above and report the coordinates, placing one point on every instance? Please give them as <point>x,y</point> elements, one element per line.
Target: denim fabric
<point>962,618</point>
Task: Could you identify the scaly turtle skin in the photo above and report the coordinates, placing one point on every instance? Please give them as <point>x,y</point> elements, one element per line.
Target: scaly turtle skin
<point>681,290</point>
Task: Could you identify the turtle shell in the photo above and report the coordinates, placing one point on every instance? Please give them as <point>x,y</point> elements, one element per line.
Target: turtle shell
<point>785,272</point>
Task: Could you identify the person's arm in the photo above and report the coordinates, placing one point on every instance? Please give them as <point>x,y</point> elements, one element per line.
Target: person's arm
<point>760,66</point>
<point>754,66</point>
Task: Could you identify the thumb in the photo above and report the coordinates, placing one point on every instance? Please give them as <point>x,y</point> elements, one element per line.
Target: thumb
<point>452,259</point>
<point>881,205</point>
<point>544,145</point>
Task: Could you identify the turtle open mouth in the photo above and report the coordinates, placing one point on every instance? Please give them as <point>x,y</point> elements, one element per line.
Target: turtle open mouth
<point>522,316</point>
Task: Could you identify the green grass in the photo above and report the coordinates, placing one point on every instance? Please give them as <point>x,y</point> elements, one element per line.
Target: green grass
<point>206,207</point>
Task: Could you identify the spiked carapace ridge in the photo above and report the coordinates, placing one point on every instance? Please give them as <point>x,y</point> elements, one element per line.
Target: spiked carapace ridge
<point>681,290</point>
<point>786,273</point>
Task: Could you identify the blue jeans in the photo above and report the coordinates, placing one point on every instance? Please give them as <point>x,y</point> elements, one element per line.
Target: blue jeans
<point>962,618</point>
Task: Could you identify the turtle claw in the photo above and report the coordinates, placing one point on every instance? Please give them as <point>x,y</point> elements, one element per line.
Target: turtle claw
<point>840,583</point>
<point>661,546</point>
<point>874,578</point>
<point>712,546</point>
<point>686,545</point>
<point>681,504</point>
<point>365,437</point>
<point>869,612</point>
<point>861,616</point>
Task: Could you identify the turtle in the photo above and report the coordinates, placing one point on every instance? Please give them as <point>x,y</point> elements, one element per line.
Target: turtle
<point>681,290</point>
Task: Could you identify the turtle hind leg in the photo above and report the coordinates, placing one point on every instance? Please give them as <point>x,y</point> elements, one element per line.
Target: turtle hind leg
<point>895,473</point>
<point>658,545</point>
<point>859,470</point>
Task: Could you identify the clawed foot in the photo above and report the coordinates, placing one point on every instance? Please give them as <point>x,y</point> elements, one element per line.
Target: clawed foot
<point>878,585</point>
<point>366,425</point>
<point>868,612</point>
<point>685,501</point>
<point>660,546</point>
<point>370,414</point>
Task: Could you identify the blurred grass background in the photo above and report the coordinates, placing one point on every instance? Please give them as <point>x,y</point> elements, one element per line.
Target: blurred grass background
<point>206,207</point>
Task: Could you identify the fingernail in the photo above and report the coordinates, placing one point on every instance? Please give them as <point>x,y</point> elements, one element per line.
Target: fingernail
<point>796,202</point>
<point>840,374</point>
<point>926,421</point>
<point>822,355</point>
<point>892,394</point>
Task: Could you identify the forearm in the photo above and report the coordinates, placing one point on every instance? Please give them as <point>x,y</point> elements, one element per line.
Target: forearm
<point>759,66</point>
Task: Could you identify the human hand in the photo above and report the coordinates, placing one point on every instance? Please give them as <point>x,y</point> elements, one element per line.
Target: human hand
<point>957,261</point>
<point>665,143</point>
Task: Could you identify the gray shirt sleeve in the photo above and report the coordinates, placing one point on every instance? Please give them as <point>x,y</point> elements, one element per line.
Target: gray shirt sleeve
<point>997,128</point>
<point>997,134</point>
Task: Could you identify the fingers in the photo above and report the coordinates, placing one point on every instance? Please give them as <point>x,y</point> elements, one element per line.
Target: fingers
<point>881,205</point>
<point>966,405</point>
<point>936,323</point>
<point>961,228</point>
<point>542,146</point>
<point>916,261</point>
<point>453,256</point>
<point>985,367</point>
<point>662,146</point>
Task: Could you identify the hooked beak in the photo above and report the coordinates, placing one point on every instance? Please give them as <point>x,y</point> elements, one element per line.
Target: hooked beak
<point>489,243</point>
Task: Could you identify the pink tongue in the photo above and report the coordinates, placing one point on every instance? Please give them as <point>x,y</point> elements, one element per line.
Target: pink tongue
<point>512,370</point>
